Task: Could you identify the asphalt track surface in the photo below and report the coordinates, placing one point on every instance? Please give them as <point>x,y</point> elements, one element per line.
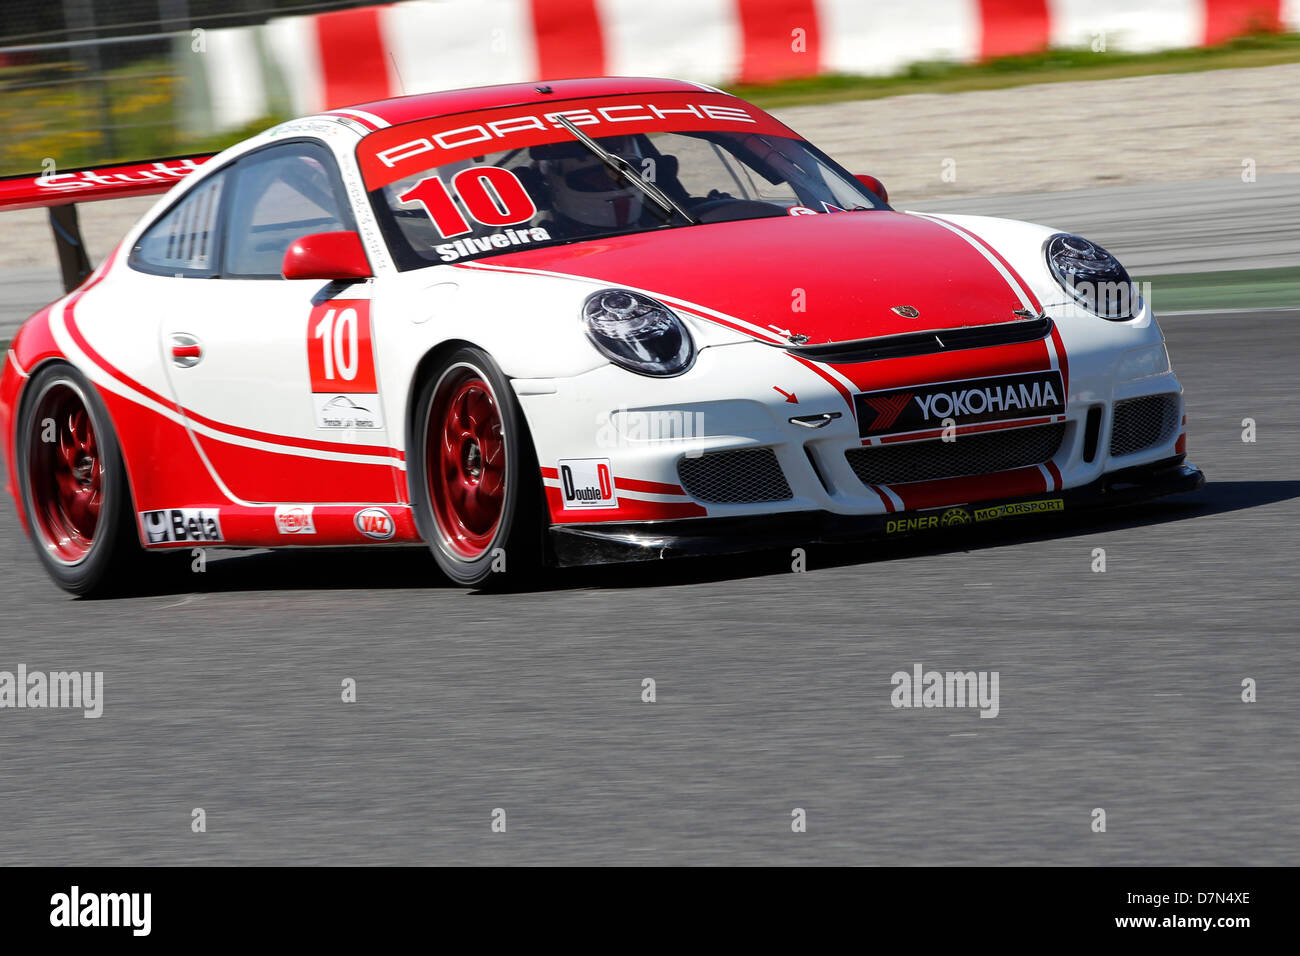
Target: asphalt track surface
<point>1119,690</point>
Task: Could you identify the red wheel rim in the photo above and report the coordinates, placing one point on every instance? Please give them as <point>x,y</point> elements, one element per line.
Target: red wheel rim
<point>466,463</point>
<point>66,474</point>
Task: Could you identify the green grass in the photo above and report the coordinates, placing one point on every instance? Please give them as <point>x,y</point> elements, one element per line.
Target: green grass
<point>1053,66</point>
<point>54,111</point>
<point>1239,289</point>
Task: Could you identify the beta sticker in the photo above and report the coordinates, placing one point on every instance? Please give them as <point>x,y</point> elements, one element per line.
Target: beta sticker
<point>587,483</point>
<point>176,525</point>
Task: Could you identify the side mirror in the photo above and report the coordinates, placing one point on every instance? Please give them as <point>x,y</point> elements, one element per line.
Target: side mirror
<point>326,255</point>
<point>875,185</point>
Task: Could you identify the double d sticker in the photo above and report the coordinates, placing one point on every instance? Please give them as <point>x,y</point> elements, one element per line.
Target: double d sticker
<point>587,483</point>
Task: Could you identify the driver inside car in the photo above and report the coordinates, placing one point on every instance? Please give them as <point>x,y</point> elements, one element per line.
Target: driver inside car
<point>582,195</point>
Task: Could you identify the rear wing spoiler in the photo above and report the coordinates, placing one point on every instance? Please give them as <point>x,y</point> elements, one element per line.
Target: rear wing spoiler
<point>62,191</point>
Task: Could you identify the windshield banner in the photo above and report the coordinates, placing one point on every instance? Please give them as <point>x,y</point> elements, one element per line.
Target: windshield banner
<point>411,148</point>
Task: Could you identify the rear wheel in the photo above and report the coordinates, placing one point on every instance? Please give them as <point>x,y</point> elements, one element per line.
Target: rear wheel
<point>72,484</point>
<point>474,478</point>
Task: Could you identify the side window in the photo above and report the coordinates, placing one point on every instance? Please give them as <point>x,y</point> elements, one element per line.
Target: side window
<point>279,195</point>
<point>184,241</point>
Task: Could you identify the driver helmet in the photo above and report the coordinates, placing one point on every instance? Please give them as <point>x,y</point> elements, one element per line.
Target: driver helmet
<point>583,188</point>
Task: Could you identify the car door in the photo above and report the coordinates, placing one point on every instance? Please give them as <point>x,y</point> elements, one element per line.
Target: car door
<point>276,377</point>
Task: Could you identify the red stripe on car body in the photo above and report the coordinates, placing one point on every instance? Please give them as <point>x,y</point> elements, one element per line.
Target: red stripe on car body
<point>648,487</point>
<point>947,366</point>
<point>1062,360</point>
<point>963,430</point>
<point>858,267</point>
<point>889,502</point>
<point>629,484</point>
<point>839,386</point>
<point>292,478</point>
<point>1024,286</point>
<point>335,525</point>
<point>629,509</point>
<point>944,492</point>
<point>233,431</point>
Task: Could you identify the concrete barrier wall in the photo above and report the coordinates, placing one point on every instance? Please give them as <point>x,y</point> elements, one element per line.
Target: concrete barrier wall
<point>304,64</point>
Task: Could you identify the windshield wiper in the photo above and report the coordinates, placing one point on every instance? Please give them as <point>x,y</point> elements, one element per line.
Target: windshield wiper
<point>620,166</point>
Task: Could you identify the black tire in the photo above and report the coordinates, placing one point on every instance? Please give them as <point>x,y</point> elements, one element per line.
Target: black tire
<point>467,550</point>
<point>100,562</point>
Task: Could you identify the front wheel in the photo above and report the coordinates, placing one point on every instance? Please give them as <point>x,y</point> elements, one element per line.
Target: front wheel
<point>473,474</point>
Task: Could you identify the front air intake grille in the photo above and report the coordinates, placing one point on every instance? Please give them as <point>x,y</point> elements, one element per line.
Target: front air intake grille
<point>734,477</point>
<point>1142,423</point>
<point>927,343</point>
<point>976,454</point>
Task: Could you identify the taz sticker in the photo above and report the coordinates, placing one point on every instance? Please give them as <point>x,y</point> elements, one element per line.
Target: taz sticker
<point>375,523</point>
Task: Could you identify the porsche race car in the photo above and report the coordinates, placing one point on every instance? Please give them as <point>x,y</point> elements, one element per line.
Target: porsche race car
<point>572,322</point>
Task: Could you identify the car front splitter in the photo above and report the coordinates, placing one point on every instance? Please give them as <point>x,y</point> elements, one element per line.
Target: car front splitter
<point>578,545</point>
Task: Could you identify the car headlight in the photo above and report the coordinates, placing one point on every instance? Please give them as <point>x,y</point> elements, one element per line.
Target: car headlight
<point>638,333</point>
<point>1092,277</point>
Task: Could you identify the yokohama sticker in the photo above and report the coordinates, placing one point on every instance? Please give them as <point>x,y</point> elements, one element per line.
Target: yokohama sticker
<point>966,402</point>
<point>587,483</point>
<point>176,525</point>
<point>294,519</point>
<point>375,523</point>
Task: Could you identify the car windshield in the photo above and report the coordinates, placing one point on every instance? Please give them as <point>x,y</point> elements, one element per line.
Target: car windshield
<point>560,191</point>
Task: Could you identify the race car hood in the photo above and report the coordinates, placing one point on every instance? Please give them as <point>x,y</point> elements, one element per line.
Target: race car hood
<point>832,277</point>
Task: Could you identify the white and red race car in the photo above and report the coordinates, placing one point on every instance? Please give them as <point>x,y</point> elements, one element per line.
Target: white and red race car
<point>582,321</point>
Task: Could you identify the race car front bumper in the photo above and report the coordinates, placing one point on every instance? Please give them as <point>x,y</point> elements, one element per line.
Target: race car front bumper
<point>578,545</point>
